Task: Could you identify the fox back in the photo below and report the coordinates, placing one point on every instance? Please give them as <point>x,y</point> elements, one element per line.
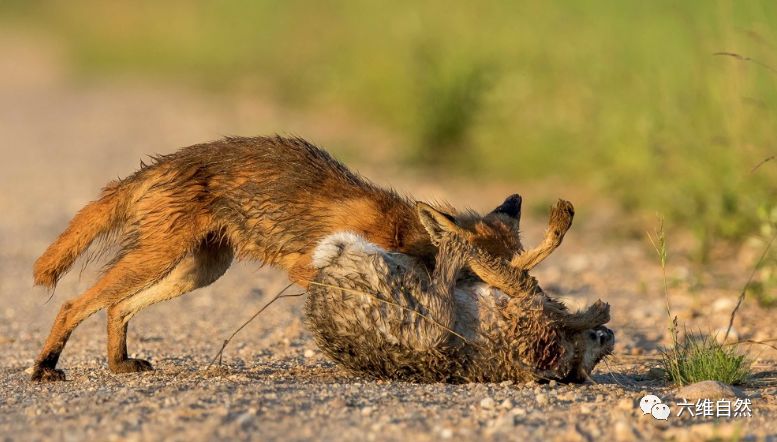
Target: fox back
<point>271,198</point>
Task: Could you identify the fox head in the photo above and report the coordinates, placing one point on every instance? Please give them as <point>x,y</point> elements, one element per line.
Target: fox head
<point>498,232</point>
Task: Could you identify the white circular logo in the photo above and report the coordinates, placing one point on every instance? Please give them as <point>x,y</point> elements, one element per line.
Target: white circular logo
<point>647,402</point>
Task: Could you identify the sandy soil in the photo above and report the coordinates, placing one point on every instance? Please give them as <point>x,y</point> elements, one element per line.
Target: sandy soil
<point>63,139</point>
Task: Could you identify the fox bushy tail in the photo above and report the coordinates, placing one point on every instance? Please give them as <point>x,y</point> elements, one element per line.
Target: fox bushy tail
<point>97,219</point>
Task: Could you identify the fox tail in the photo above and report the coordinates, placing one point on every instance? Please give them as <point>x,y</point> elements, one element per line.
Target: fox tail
<point>97,219</point>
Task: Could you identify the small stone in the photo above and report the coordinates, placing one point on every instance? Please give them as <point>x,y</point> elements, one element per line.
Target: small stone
<point>506,404</point>
<point>723,305</point>
<point>245,419</point>
<point>501,424</point>
<point>29,370</point>
<point>309,353</point>
<point>635,351</point>
<point>568,396</point>
<point>656,373</point>
<point>542,399</point>
<point>366,411</point>
<point>446,433</point>
<point>506,383</point>
<point>518,411</point>
<point>487,403</point>
<point>708,390</point>
<point>599,398</point>
<point>552,384</point>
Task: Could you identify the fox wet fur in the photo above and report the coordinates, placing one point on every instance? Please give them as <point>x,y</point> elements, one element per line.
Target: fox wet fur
<point>181,220</point>
<point>378,314</point>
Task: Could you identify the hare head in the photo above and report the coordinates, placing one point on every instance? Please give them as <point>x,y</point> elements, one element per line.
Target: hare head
<point>551,340</point>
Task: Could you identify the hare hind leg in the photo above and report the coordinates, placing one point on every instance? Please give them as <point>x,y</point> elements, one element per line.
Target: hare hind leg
<point>202,267</point>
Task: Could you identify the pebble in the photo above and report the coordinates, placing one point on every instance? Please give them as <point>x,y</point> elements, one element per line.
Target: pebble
<point>245,419</point>
<point>487,403</point>
<point>506,404</point>
<point>708,390</point>
<point>723,305</point>
<point>542,399</point>
<point>309,353</point>
<point>501,424</point>
<point>568,396</point>
<point>656,373</point>
<point>518,411</point>
<point>366,411</point>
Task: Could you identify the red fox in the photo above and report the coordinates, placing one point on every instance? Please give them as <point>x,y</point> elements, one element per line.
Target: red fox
<point>181,220</point>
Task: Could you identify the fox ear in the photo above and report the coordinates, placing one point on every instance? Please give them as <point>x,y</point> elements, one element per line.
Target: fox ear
<point>511,207</point>
<point>435,222</point>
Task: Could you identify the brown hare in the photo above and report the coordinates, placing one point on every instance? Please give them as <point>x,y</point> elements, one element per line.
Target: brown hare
<point>381,314</point>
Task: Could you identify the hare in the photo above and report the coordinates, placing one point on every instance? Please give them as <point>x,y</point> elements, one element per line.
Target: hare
<point>383,315</point>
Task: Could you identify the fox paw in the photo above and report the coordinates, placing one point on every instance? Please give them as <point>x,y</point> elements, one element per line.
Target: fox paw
<point>131,366</point>
<point>47,374</point>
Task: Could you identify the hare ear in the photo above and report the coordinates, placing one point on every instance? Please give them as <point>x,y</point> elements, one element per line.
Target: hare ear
<point>595,315</point>
<point>435,222</point>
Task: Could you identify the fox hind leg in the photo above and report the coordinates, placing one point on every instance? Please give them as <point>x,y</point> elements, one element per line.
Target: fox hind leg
<point>139,268</point>
<point>200,268</point>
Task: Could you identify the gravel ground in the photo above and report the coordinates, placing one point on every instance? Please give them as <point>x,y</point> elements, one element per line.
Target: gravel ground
<point>62,140</point>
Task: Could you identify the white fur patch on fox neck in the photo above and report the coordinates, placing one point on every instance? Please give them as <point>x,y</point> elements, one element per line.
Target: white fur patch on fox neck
<point>332,246</point>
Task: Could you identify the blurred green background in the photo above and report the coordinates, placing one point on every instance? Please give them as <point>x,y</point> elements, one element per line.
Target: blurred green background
<point>625,98</point>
